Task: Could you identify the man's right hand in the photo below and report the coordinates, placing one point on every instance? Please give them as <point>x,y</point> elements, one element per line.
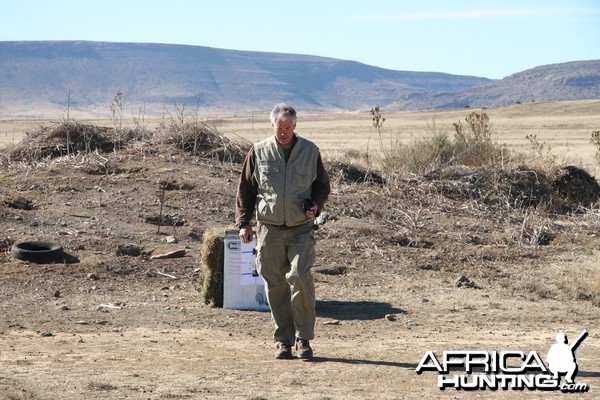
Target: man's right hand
<point>246,234</point>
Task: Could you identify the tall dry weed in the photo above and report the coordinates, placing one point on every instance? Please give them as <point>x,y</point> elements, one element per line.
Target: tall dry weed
<point>595,140</point>
<point>474,143</point>
<point>543,157</point>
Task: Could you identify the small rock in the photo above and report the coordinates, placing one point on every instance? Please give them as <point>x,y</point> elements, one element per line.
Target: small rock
<point>465,281</point>
<point>57,294</point>
<point>171,254</point>
<point>129,250</point>
<point>332,322</point>
<point>335,270</point>
<point>171,239</point>
<point>391,317</point>
<point>103,307</point>
<point>46,334</point>
<point>93,277</point>
<point>194,235</point>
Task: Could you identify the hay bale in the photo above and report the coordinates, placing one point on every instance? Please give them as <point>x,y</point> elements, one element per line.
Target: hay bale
<point>211,265</point>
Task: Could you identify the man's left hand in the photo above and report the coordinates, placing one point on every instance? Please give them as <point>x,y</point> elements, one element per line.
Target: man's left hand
<point>312,211</point>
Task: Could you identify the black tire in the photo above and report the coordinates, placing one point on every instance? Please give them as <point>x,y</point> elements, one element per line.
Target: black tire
<point>37,252</point>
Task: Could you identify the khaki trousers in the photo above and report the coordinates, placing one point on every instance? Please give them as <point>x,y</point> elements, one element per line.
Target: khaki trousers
<point>284,258</point>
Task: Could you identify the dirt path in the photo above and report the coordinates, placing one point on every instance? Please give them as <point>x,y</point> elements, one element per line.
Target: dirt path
<point>163,344</point>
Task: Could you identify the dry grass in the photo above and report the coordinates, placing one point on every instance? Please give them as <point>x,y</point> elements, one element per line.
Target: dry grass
<point>101,387</point>
<point>564,126</point>
<point>580,279</point>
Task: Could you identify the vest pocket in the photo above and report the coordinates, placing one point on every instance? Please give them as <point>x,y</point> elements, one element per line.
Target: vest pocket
<point>267,171</point>
<point>303,178</point>
<point>266,205</point>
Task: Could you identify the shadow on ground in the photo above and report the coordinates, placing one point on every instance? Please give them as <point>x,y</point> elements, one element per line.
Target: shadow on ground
<point>357,310</point>
<point>363,362</point>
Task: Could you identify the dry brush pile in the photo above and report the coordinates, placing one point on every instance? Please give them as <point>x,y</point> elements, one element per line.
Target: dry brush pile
<point>71,138</point>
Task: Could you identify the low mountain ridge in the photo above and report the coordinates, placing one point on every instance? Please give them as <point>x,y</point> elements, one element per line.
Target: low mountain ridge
<point>37,78</point>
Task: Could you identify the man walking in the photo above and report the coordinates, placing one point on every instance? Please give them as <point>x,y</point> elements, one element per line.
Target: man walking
<point>284,182</point>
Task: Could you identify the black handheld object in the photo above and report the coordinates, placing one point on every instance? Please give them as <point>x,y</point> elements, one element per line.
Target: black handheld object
<point>307,205</point>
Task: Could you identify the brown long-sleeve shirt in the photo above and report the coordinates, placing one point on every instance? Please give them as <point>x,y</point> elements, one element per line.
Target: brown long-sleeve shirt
<point>248,187</point>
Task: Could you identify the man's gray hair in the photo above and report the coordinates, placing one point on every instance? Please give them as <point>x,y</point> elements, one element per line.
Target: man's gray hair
<point>283,111</point>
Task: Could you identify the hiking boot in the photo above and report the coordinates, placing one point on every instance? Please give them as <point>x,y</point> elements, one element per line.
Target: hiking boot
<point>284,351</point>
<point>303,349</point>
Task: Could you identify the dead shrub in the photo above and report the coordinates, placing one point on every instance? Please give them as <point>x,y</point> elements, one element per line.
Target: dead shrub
<point>535,229</point>
<point>540,289</point>
<point>419,157</point>
<point>595,140</point>
<point>475,146</point>
<point>472,146</point>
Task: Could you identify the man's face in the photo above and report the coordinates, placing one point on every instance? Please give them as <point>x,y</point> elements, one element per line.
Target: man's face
<point>284,130</point>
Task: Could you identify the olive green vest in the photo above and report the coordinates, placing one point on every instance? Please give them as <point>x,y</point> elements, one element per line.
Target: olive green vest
<point>282,188</point>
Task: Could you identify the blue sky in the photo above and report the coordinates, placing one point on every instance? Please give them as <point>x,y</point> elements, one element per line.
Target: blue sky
<point>491,38</point>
